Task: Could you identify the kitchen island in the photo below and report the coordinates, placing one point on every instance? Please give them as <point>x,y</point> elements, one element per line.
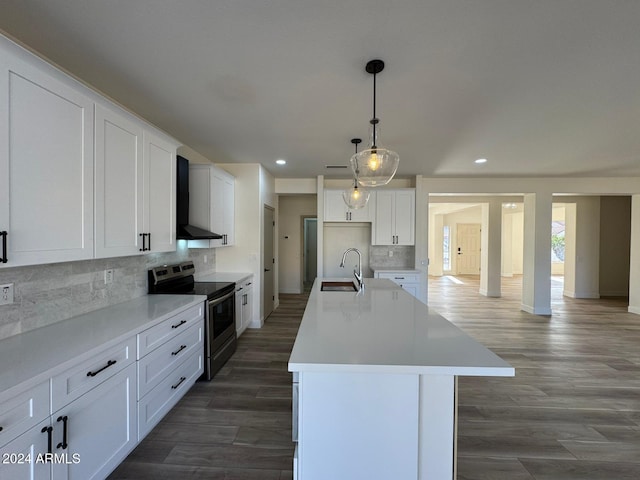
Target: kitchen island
<point>375,391</point>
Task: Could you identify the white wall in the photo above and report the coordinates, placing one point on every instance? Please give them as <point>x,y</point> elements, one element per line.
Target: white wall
<point>337,238</point>
<point>291,210</point>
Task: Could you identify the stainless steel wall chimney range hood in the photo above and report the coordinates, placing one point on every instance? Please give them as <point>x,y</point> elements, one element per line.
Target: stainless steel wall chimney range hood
<point>186,231</point>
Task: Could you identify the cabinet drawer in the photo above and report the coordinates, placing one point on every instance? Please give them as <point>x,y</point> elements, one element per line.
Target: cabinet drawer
<point>78,380</point>
<point>23,411</point>
<point>155,336</point>
<point>399,277</point>
<point>157,365</point>
<point>166,394</point>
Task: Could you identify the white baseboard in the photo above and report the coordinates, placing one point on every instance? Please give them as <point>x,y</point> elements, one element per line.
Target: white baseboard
<point>487,294</point>
<point>256,323</point>
<point>635,310</point>
<point>539,311</point>
<point>615,293</point>
<point>572,294</point>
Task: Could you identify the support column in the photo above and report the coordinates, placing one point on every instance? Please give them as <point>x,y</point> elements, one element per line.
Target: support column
<point>491,249</point>
<point>320,233</point>
<point>422,237</point>
<point>582,248</point>
<point>634,260</point>
<point>536,278</point>
<point>507,245</point>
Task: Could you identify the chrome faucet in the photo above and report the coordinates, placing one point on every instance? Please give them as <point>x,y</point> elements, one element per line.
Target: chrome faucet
<point>357,272</point>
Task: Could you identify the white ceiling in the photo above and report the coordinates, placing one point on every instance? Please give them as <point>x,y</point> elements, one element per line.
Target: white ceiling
<point>539,87</point>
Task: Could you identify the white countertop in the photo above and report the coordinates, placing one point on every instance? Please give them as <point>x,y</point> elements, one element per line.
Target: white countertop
<point>224,277</point>
<point>36,355</point>
<point>385,330</point>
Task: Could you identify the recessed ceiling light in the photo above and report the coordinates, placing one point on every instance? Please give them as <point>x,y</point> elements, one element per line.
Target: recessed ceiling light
<point>281,162</point>
<point>481,160</point>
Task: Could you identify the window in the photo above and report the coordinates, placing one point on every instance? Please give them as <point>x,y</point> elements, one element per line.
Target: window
<point>446,248</point>
<point>557,241</point>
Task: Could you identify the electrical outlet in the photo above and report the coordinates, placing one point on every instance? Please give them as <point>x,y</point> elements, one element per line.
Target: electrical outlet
<point>391,253</point>
<point>6,294</point>
<point>205,259</point>
<point>108,276</point>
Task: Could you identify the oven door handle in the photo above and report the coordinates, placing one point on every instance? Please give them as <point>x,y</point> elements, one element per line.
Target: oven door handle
<point>216,301</point>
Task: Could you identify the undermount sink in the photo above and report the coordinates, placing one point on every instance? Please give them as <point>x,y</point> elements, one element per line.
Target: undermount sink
<point>334,286</point>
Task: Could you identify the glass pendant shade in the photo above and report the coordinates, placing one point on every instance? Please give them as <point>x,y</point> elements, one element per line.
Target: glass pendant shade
<point>355,197</point>
<point>376,165</point>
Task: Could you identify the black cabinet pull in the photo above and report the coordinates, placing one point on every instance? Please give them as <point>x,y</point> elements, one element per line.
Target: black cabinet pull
<point>182,347</point>
<point>4,258</point>
<point>109,363</point>
<point>48,430</point>
<point>1,429</point>
<point>182,379</point>
<point>399,278</point>
<point>63,444</point>
<point>182,322</point>
<point>149,237</point>
<point>144,242</point>
<point>249,284</point>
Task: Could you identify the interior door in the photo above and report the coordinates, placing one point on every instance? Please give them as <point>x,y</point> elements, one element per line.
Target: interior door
<point>468,251</point>
<point>268,262</point>
<point>310,245</point>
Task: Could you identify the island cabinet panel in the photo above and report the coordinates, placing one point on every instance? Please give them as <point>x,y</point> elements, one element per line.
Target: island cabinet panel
<point>46,163</point>
<point>30,445</point>
<point>355,425</point>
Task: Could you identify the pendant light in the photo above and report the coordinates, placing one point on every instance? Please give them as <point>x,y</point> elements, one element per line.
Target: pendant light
<point>355,197</point>
<point>376,165</point>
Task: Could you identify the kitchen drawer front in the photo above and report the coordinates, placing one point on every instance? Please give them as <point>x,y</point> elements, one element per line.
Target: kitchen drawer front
<point>155,405</point>
<point>157,365</point>
<point>21,412</point>
<point>155,336</point>
<point>78,380</point>
<point>399,277</point>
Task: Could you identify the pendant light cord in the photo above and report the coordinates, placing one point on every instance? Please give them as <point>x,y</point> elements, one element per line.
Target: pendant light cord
<point>374,120</point>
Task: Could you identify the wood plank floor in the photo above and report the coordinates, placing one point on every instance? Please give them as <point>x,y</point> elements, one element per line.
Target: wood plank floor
<point>571,413</point>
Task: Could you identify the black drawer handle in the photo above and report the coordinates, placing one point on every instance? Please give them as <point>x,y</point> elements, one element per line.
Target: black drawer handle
<point>4,258</point>
<point>1,429</point>
<point>109,363</point>
<point>182,379</point>
<point>182,347</point>
<point>182,322</point>
<point>48,430</point>
<point>249,284</point>
<point>399,278</point>
<point>63,444</point>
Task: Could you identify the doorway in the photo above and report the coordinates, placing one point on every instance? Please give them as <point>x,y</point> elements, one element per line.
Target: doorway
<point>468,251</point>
<point>309,251</point>
<point>268,262</point>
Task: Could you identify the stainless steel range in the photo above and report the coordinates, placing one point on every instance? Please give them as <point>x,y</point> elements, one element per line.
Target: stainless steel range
<point>220,325</point>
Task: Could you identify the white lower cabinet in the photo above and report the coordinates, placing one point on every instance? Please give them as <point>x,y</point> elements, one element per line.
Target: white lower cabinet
<point>100,429</point>
<point>409,281</point>
<point>244,304</point>
<point>84,440</point>
<point>170,366</point>
<point>20,458</point>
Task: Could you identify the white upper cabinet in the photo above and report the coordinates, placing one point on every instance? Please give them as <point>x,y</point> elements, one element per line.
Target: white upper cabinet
<point>395,217</point>
<point>46,163</point>
<point>135,187</point>
<point>119,184</point>
<point>160,192</point>
<point>335,210</point>
<point>212,204</point>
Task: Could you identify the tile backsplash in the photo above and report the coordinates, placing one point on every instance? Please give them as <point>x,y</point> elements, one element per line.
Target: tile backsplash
<point>46,294</point>
<point>402,256</point>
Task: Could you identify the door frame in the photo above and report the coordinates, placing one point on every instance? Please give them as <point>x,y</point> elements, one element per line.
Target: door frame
<point>263,295</point>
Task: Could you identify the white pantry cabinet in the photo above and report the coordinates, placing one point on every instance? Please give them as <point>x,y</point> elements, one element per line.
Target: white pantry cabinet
<point>212,204</point>
<point>395,217</point>
<point>335,210</point>
<point>46,162</point>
